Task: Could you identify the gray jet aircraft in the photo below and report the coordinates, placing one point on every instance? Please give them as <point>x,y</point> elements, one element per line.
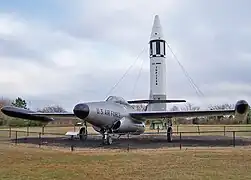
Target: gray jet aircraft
<point>116,116</point>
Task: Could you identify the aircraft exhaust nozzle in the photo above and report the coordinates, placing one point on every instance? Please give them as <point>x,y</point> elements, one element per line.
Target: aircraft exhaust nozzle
<point>126,125</point>
<point>116,125</point>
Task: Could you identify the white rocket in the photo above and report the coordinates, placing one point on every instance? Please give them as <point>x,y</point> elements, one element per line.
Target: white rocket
<point>157,53</point>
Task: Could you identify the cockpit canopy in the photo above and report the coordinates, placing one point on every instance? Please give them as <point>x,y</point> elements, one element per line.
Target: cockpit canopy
<point>117,99</point>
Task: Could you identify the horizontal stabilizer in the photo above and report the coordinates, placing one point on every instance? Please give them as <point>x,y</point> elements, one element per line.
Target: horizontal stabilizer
<point>155,101</point>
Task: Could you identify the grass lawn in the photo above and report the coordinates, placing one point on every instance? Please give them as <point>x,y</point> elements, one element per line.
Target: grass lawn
<point>23,163</point>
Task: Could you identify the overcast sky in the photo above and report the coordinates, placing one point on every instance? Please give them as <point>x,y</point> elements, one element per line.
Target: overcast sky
<point>65,52</point>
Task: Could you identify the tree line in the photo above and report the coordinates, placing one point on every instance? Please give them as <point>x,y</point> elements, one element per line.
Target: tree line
<point>21,103</point>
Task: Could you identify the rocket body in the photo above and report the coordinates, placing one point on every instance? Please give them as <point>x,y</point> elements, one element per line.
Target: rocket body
<point>157,55</point>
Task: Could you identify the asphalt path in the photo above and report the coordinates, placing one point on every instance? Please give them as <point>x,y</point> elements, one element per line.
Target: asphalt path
<point>138,142</point>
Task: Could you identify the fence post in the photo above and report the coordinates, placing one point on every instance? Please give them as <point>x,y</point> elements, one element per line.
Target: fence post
<point>177,129</point>
<point>158,130</point>
<point>39,136</point>
<point>16,138</point>
<point>128,145</point>
<point>72,147</point>
<point>9,131</point>
<point>224,130</point>
<point>234,138</point>
<point>27,131</point>
<point>180,140</point>
<point>43,129</point>
<point>198,129</point>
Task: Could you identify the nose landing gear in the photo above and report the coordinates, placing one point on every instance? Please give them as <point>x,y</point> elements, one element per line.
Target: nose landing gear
<point>83,132</point>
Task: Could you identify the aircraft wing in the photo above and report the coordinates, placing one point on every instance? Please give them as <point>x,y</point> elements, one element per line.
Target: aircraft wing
<point>151,101</point>
<point>170,114</point>
<point>31,115</point>
<point>241,110</point>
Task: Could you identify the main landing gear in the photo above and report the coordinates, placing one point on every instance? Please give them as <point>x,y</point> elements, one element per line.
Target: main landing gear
<point>106,138</point>
<point>169,130</point>
<point>83,132</point>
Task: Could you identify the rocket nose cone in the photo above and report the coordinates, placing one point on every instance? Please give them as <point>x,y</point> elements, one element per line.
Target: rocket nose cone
<point>156,29</point>
<point>156,22</point>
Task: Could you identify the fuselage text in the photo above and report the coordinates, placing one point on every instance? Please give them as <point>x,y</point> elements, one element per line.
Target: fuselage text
<point>107,112</point>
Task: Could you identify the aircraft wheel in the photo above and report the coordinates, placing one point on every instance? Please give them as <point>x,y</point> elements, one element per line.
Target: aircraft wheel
<point>106,140</point>
<point>169,134</point>
<point>109,140</point>
<point>103,140</point>
<point>83,133</point>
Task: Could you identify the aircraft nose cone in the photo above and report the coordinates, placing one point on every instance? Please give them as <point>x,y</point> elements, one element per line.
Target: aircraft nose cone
<point>81,110</point>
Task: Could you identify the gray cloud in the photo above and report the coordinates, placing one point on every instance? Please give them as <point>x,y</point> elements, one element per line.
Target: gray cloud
<point>15,49</point>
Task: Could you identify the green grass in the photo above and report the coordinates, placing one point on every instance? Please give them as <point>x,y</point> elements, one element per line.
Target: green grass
<point>23,163</point>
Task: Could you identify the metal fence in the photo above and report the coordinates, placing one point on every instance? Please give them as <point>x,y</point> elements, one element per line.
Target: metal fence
<point>176,128</point>
<point>149,140</point>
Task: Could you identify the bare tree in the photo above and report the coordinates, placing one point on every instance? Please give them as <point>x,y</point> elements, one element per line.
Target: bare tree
<point>139,107</point>
<point>52,109</point>
<point>190,107</point>
<point>221,107</point>
<point>3,118</point>
<point>174,108</point>
<point>4,102</point>
<point>226,106</point>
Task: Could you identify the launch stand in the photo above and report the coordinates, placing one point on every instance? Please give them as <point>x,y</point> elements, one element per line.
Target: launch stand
<point>158,124</point>
<point>163,124</point>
